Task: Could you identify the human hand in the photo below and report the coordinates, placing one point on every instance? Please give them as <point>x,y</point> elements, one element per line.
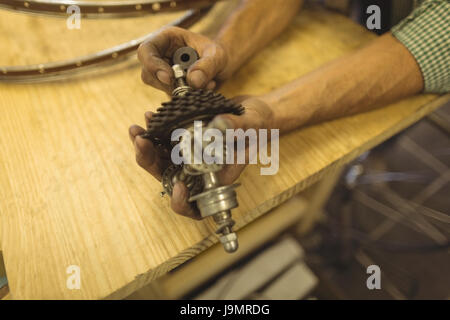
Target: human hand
<point>257,115</point>
<point>156,53</point>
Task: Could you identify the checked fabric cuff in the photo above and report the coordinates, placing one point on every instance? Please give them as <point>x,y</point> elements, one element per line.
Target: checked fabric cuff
<point>426,34</point>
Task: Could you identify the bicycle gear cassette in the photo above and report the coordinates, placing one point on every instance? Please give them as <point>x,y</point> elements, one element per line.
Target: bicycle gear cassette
<point>186,106</point>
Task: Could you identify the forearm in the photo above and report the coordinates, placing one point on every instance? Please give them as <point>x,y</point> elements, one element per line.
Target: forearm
<point>375,75</point>
<point>252,26</point>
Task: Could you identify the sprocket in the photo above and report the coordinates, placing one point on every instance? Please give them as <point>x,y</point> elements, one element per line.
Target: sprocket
<point>182,111</point>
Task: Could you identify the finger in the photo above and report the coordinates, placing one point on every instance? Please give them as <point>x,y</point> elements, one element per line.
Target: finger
<point>152,52</point>
<point>250,119</point>
<point>149,78</point>
<point>147,157</point>
<point>211,85</point>
<point>148,116</point>
<point>158,70</point>
<point>245,122</point>
<point>146,154</point>
<point>230,173</point>
<point>180,203</point>
<point>134,131</point>
<point>229,121</point>
<point>239,99</point>
<point>206,68</point>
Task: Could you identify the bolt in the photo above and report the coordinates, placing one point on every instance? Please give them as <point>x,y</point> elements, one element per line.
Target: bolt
<point>229,242</point>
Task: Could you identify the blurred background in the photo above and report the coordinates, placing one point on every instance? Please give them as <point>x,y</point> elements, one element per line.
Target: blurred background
<point>389,208</point>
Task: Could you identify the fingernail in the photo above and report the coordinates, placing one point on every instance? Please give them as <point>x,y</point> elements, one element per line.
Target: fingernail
<point>211,85</point>
<point>163,76</point>
<point>221,123</point>
<point>133,131</point>
<point>148,115</point>
<point>198,78</point>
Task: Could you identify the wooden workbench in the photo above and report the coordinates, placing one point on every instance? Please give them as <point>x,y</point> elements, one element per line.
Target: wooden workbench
<point>70,190</point>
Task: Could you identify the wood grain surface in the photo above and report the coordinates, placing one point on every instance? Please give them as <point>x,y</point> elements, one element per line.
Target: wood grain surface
<point>70,191</point>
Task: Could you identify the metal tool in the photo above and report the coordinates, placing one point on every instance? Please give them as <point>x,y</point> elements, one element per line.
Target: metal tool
<point>211,198</point>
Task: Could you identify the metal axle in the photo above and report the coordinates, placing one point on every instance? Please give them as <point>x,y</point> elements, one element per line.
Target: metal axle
<point>215,200</point>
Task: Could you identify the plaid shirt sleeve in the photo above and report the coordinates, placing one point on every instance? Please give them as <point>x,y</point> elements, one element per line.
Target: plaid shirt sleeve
<point>426,34</point>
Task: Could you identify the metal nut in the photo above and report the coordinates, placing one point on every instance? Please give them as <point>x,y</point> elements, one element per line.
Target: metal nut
<point>228,237</point>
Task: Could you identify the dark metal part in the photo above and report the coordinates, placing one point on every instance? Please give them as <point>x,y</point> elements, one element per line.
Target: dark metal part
<point>182,111</point>
<point>185,57</point>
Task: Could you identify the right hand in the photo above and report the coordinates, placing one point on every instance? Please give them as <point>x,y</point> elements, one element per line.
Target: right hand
<point>156,53</point>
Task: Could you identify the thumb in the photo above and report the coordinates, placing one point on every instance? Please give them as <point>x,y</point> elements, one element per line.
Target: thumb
<point>180,202</point>
<point>229,121</point>
<point>202,72</point>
